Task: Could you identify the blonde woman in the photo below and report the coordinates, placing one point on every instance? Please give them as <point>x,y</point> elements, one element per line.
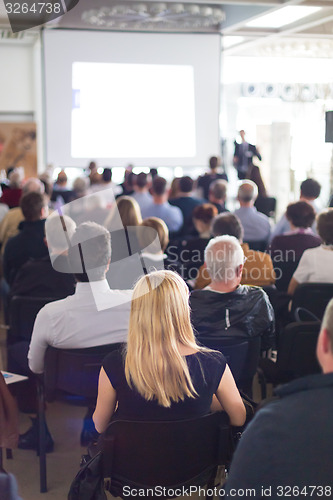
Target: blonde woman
<point>164,374</point>
<point>129,211</point>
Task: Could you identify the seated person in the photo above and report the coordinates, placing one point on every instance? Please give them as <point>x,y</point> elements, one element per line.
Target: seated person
<point>161,208</point>
<point>164,374</point>
<point>258,267</point>
<point>256,225</point>
<point>290,440</point>
<point>186,202</point>
<point>12,195</point>
<point>287,249</point>
<point>29,243</point>
<point>226,307</point>
<point>191,251</point>
<point>218,195</point>
<point>310,191</point>
<point>316,264</point>
<point>38,277</point>
<point>204,181</point>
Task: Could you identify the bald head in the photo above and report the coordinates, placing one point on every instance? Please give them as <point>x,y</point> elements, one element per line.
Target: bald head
<point>224,258</point>
<point>247,193</point>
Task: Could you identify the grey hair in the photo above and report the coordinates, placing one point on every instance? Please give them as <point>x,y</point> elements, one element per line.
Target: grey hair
<point>58,232</point>
<point>33,185</point>
<point>223,256</point>
<point>247,191</point>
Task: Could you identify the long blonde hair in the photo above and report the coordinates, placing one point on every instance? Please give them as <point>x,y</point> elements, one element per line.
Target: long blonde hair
<point>159,322</point>
<point>129,211</point>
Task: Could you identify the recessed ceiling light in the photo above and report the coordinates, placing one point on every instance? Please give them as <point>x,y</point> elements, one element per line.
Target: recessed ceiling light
<point>282,17</point>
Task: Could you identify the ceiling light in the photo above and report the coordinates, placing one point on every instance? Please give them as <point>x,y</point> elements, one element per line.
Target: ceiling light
<point>282,17</point>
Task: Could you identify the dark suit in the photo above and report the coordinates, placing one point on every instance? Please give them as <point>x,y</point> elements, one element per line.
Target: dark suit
<point>243,155</point>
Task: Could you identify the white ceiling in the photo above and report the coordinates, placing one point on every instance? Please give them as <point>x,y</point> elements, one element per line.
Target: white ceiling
<point>311,36</point>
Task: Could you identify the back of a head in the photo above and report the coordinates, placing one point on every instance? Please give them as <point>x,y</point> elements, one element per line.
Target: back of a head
<point>107,175</point>
<point>213,162</point>
<point>149,229</point>
<point>159,186</point>
<point>33,185</point>
<point>223,256</point>
<point>228,224</point>
<point>310,189</point>
<point>247,191</point>
<point>32,205</point>
<point>80,186</point>
<point>325,226</point>
<point>59,231</point>
<point>159,322</point>
<point>301,214</point>
<point>62,178</point>
<point>218,189</point>
<point>90,252</point>
<point>129,211</point>
<point>15,179</point>
<point>185,184</point>
<point>141,180</point>
<point>205,213</point>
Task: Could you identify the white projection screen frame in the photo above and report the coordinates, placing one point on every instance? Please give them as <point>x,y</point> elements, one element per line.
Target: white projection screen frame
<point>171,80</point>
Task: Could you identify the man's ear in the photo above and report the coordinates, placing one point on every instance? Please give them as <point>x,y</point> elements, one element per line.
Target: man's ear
<point>323,344</point>
<point>107,266</point>
<point>45,242</point>
<point>240,270</point>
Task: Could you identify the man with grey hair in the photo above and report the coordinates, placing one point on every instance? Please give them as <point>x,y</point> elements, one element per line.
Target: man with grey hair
<point>218,194</point>
<point>287,448</point>
<point>256,225</point>
<point>225,307</point>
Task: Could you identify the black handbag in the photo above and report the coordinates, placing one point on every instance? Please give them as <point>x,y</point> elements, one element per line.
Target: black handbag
<point>88,483</point>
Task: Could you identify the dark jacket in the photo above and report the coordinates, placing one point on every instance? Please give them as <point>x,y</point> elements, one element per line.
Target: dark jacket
<point>289,442</point>
<point>29,243</point>
<point>246,312</point>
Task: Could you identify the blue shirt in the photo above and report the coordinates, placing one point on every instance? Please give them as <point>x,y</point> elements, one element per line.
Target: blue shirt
<point>172,216</point>
<point>256,225</point>
<point>144,199</point>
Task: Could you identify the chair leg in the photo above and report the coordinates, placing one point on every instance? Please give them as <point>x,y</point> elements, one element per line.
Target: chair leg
<point>41,437</point>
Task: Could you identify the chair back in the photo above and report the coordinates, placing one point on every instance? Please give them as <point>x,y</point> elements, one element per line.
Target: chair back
<point>284,271</point>
<point>165,454</point>
<point>23,312</point>
<point>297,349</point>
<point>258,245</point>
<point>242,355</point>
<point>266,205</point>
<point>74,372</point>
<point>313,296</point>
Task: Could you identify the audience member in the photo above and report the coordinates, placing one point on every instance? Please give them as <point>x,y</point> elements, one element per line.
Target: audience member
<point>316,264</point>
<point>253,174</point>
<point>141,190</point>
<point>287,249</point>
<point>186,202</point>
<point>191,250</point>
<point>41,277</point>
<point>9,226</point>
<point>174,188</point>
<point>243,155</point>
<point>11,196</point>
<point>256,225</point>
<point>218,194</point>
<point>129,182</point>
<point>161,208</point>
<point>225,307</point>
<point>61,194</point>
<point>29,243</point>
<point>164,374</point>
<point>310,191</point>
<point>204,181</point>
<point>93,316</point>
<point>288,445</point>
<point>258,267</point>
<point>104,183</point>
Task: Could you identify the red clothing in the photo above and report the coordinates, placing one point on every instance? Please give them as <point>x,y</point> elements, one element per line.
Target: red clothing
<point>11,197</point>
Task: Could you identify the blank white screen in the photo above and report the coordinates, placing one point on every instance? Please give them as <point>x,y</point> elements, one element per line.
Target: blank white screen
<point>161,109</point>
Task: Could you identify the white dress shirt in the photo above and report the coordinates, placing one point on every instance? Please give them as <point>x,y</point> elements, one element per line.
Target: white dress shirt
<point>76,322</point>
<point>315,266</point>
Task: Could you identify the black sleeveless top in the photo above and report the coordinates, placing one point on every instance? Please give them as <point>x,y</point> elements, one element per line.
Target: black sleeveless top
<point>206,370</point>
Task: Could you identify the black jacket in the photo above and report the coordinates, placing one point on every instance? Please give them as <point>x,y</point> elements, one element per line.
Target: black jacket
<point>29,243</point>
<point>289,443</point>
<point>246,312</point>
